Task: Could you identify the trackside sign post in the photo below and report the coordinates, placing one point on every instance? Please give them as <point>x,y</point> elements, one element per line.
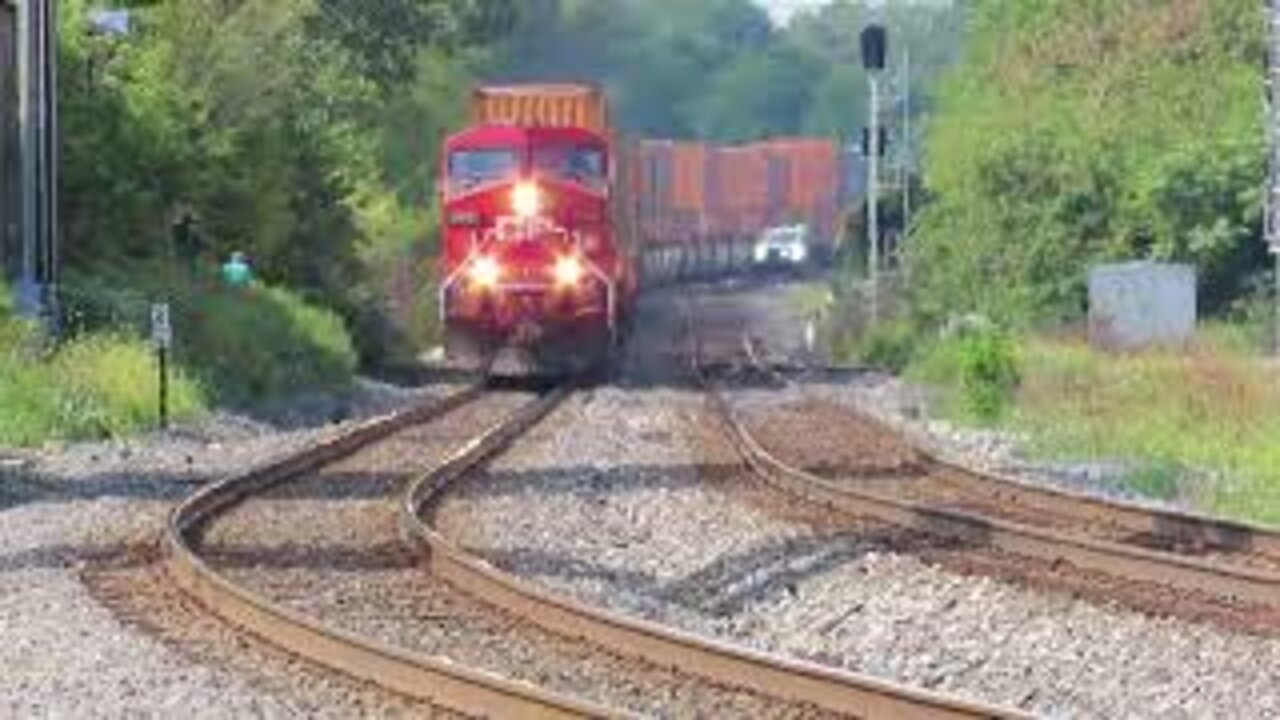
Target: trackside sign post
<point>162,340</point>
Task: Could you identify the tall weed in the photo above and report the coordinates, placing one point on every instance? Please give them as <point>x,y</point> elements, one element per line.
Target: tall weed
<point>978,371</point>
<point>94,387</point>
<point>1204,421</point>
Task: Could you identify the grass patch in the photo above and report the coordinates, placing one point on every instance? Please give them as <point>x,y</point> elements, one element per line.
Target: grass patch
<point>261,343</point>
<point>234,347</point>
<point>1163,481</point>
<point>978,370</point>
<point>810,299</point>
<point>1201,425</point>
<point>247,346</point>
<point>96,387</point>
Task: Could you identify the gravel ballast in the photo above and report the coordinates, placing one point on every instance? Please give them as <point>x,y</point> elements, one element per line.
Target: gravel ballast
<point>329,546</point>
<point>657,525</point>
<point>80,601</point>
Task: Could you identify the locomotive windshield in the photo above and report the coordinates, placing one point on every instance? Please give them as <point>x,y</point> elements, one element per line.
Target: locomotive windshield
<point>473,167</point>
<point>578,163</point>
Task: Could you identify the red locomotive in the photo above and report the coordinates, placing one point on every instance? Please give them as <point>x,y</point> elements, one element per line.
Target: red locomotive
<point>537,261</point>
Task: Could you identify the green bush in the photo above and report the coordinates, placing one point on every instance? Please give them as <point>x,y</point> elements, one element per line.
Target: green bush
<point>978,370</point>
<point>244,344</point>
<point>890,347</point>
<point>262,343</point>
<point>1151,146</point>
<point>110,386</point>
<point>1160,480</point>
<point>989,373</point>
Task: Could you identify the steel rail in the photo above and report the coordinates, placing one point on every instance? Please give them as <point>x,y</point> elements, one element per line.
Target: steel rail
<point>769,675</point>
<point>1175,526</point>
<point>1114,558</point>
<point>434,680</point>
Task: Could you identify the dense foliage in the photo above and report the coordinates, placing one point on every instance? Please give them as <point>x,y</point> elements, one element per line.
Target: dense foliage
<point>719,69</point>
<point>305,132</point>
<point>98,385</point>
<point>300,131</point>
<point>1083,131</point>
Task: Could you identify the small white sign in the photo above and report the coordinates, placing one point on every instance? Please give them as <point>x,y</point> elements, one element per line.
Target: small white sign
<point>161,329</point>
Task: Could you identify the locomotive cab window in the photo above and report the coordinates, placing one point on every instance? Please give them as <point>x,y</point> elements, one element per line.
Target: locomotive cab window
<point>468,168</point>
<point>584,164</point>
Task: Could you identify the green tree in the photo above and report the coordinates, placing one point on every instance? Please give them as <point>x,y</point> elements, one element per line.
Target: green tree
<point>1077,134</point>
<point>289,127</point>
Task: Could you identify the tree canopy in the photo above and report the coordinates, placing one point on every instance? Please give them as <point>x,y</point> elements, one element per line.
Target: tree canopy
<point>1079,132</point>
<point>300,131</point>
<point>305,132</point>
<point>720,69</point>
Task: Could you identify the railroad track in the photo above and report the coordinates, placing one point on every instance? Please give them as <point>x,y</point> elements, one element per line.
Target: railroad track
<point>1236,563</point>
<point>215,576</point>
<point>431,679</point>
<point>804,683</point>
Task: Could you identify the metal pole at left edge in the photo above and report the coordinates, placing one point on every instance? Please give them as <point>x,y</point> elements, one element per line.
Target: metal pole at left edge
<point>38,122</point>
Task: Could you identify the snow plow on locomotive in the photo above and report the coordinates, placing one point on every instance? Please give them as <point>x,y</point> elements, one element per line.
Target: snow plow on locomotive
<point>537,264</point>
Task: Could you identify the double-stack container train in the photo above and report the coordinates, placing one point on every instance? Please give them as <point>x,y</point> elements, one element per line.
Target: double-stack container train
<point>705,207</point>
<point>550,220</point>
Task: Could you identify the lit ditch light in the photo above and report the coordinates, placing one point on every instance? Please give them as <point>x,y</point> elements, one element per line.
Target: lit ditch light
<point>485,272</point>
<point>526,200</point>
<point>568,271</point>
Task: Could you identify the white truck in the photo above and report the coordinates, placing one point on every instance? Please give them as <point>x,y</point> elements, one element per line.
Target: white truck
<point>783,248</point>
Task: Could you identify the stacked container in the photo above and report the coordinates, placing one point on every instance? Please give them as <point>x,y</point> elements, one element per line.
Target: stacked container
<point>654,185</point>
<point>549,105</point>
<point>705,203</point>
<point>689,204</point>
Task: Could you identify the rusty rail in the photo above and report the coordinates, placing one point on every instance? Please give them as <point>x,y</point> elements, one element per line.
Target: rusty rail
<point>1114,558</point>
<point>825,687</point>
<point>434,680</point>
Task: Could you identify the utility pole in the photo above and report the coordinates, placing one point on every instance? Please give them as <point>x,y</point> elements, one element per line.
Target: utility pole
<point>906,143</point>
<point>875,43</point>
<point>873,201</point>
<point>1273,133</point>
<point>38,120</point>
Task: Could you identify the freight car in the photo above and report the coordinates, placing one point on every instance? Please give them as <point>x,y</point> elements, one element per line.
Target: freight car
<point>703,207</point>
<point>545,211</point>
<point>537,262</point>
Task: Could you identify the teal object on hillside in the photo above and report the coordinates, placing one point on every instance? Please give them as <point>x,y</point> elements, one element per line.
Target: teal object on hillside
<point>236,271</point>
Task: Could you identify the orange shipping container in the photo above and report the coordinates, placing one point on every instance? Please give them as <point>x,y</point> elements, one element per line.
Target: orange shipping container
<point>541,106</point>
<point>689,177</point>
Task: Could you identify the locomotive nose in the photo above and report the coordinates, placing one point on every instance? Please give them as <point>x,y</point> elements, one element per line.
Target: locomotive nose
<point>526,200</point>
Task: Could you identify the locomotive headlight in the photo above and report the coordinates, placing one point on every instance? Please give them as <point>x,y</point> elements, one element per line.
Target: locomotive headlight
<point>526,200</point>
<point>485,272</point>
<point>568,271</point>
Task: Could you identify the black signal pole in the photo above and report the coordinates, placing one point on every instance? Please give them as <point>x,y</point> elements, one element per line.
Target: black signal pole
<point>875,42</point>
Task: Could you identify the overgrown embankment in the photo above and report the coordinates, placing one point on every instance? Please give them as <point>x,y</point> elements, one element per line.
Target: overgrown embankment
<point>98,385</point>
<point>1195,425</point>
<point>1074,134</point>
<point>239,347</point>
